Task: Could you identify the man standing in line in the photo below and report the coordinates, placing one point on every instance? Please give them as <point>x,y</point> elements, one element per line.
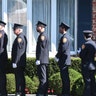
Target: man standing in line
<point>42,59</point>
<point>19,58</point>
<point>63,58</point>
<point>3,58</point>
<point>88,66</point>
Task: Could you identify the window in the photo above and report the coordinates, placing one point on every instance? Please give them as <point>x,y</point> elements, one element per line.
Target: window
<point>0,9</point>
<point>16,13</point>
<point>66,13</point>
<point>41,10</point>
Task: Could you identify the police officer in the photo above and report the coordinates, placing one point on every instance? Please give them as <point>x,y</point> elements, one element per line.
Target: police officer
<point>87,55</point>
<point>19,58</point>
<point>3,59</point>
<point>63,58</point>
<point>42,59</point>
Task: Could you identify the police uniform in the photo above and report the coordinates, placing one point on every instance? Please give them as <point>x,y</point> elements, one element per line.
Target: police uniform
<point>19,60</point>
<point>42,55</point>
<point>64,61</point>
<point>3,60</point>
<point>88,65</point>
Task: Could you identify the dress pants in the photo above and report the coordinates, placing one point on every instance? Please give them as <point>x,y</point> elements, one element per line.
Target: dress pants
<point>89,80</point>
<point>65,80</point>
<point>42,72</point>
<point>20,80</point>
<point>3,91</point>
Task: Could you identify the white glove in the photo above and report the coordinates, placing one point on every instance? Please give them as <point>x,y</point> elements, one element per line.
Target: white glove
<point>78,51</point>
<point>56,59</point>
<point>37,62</point>
<point>14,65</point>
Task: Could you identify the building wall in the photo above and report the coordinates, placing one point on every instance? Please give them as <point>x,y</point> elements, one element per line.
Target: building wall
<point>51,12</point>
<point>94,17</point>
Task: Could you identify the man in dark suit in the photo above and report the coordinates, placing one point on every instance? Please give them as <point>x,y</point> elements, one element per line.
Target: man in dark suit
<point>88,65</point>
<point>63,58</point>
<point>19,59</point>
<point>3,59</point>
<point>42,59</point>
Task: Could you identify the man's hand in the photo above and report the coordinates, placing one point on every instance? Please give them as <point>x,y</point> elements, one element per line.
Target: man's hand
<point>37,62</point>
<point>14,65</point>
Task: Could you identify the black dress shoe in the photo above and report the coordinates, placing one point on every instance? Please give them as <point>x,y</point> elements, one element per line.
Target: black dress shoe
<point>18,94</point>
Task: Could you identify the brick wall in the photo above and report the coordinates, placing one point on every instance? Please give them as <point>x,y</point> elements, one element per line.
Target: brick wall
<point>94,16</point>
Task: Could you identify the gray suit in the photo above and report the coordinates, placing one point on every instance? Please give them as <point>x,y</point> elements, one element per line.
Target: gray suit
<point>42,54</point>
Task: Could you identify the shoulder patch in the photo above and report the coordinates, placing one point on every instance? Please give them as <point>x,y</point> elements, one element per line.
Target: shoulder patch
<point>0,35</point>
<point>83,46</point>
<point>19,40</point>
<point>64,40</point>
<point>42,37</point>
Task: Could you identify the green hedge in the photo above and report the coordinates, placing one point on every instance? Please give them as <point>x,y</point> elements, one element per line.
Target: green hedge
<point>31,84</point>
<point>10,83</point>
<point>31,69</point>
<point>54,77</point>
<point>76,83</point>
<point>55,83</point>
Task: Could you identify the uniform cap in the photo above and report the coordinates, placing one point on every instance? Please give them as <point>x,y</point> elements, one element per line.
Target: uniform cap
<point>16,26</point>
<point>63,25</point>
<point>41,23</point>
<point>87,31</point>
<point>2,23</point>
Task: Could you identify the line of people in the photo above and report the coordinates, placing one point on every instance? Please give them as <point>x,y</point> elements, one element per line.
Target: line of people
<point>18,58</point>
<point>86,54</point>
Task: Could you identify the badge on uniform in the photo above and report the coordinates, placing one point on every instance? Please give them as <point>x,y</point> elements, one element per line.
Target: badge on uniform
<point>19,40</point>
<point>64,40</point>
<point>0,35</point>
<point>83,46</point>
<point>42,37</point>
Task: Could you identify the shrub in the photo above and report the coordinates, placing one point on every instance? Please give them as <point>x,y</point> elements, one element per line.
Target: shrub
<point>36,82</point>
<point>76,63</point>
<point>53,67</point>
<point>78,87</point>
<point>55,82</point>
<point>30,85</point>
<point>31,69</point>
<point>74,75</point>
<point>10,83</point>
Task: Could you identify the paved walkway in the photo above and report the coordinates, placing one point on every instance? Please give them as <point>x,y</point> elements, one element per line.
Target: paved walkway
<point>29,95</point>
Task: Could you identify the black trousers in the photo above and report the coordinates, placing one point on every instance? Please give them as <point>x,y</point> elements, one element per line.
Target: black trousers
<point>65,80</point>
<point>89,80</point>
<point>42,72</point>
<point>3,91</point>
<point>20,80</point>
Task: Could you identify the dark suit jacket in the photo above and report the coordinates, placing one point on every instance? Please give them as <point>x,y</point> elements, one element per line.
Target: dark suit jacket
<point>19,50</point>
<point>64,50</point>
<point>3,49</point>
<point>87,53</point>
<point>42,49</point>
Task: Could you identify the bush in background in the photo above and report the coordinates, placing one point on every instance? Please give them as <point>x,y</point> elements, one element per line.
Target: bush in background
<point>78,87</point>
<point>76,63</point>
<point>55,82</point>
<point>31,69</point>
<point>10,83</point>
<point>30,85</point>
